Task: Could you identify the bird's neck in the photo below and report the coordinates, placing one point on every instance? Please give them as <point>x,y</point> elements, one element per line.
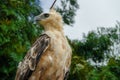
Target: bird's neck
<point>53,28</point>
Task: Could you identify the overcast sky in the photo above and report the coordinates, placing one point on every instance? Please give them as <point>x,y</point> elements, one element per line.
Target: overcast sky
<point>92,14</point>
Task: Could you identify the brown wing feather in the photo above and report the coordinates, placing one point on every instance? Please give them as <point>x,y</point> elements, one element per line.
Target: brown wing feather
<point>28,65</point>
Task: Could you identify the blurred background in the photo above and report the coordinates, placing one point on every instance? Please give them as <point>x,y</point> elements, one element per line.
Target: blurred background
<point>92,29</point>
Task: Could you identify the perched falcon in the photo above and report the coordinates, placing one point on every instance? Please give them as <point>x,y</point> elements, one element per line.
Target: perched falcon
<point>49,58</point>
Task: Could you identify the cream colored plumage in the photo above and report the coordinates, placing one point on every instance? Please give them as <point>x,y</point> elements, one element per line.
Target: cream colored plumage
<point>50,56</point>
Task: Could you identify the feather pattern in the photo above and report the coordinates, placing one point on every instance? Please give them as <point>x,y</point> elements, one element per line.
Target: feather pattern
<point>28,65</point>
<point>50,56</point>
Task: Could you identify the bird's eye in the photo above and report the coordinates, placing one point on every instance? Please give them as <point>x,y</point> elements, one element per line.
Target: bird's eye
<point>46,15</point>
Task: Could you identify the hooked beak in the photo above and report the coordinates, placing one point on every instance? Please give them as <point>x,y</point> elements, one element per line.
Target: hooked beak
<point>37,18</point>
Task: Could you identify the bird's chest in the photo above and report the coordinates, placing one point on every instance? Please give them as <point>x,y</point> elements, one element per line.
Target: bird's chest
<point>59,48</point>
<point>58,44</point>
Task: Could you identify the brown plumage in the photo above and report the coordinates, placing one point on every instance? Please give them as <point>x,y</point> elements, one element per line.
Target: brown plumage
<point>50,56</point>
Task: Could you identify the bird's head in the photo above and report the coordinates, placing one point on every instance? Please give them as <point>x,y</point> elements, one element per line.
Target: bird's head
<point>50,20</point>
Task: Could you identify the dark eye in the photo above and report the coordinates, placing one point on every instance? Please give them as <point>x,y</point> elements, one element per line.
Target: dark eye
<point>46,15</point>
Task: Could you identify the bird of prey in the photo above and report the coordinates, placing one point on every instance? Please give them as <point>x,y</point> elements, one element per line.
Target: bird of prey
<point>49,58</point>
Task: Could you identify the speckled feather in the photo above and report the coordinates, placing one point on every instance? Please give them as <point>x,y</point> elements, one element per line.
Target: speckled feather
<point>27,66</point>
<point>50,56</point>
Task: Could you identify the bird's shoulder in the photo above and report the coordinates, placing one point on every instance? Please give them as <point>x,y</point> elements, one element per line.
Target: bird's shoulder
<point>31,59</point>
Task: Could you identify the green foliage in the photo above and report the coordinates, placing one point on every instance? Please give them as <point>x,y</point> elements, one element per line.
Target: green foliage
<point>97,47</point>
<point>114,66</point>
<point>97,44</point>
<point>79,68</point>
<point>17,32</point>
<point>68,10</point>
